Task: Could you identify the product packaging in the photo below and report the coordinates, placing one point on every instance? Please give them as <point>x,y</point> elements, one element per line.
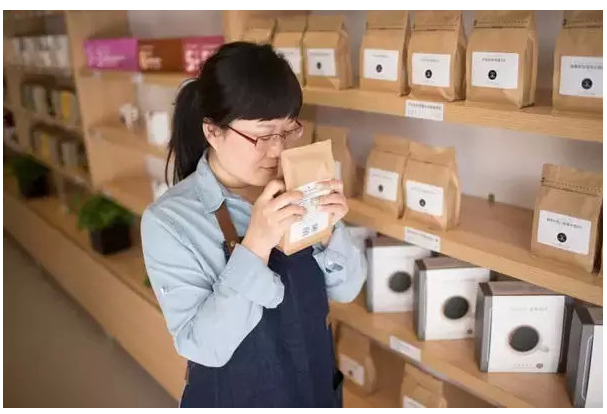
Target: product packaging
<point>111,54</point>
<point>158,127</point>
<point>354,359</point>
<point>421,390</point>
<point>176,54</point>
<point>345,169</point>
<point>259,30</point>
<point>288,41</point>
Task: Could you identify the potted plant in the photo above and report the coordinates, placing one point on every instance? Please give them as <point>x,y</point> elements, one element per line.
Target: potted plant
<point>31,176</point>
<point>108,224</point>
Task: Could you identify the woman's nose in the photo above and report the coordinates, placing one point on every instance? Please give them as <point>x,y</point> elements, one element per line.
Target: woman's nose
<point>276,147</point>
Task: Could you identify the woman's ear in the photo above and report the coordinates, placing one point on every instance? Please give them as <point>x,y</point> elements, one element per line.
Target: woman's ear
<point>211,133</point>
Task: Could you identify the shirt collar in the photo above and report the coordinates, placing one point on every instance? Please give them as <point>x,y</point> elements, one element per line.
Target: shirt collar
<point>210,191</point>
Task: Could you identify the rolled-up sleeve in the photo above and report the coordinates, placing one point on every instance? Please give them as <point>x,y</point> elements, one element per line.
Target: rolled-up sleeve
<point>343,264</point>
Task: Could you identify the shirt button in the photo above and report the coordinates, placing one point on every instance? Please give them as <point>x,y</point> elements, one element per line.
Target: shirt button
<point>165,289</point>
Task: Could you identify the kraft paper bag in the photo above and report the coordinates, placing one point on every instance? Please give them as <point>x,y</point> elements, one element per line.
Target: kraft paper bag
<point>437,56</point>
<point>384,174</point>
<point>421,390</point>
<point>345,169</point>
<point>327,53</point>
<point>288,41</point>
<point>501,59</point>
<point>567,222</point>
<point>578,63</point>
<point>431,186</point>
<point>383,51</point>
<point>355,360</point>
<point>259,30</point>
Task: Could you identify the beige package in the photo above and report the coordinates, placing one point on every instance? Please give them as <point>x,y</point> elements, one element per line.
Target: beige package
<point>578,63</point>
<point>354,359</point>
<point>259,30</point>
<point>345,169</point>
<point>567,223</point>
<point>436,61</point>
<point>288,41</point>
<point>431,186</point>
<point>327,56</point>
<point>383,51</point>
<point>384,174</point>
<point>421,390</point>
<point>302,169</point>
<point>501,59</point>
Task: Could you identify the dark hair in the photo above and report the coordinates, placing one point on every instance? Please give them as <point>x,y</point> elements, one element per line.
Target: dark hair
<point>240,81</point>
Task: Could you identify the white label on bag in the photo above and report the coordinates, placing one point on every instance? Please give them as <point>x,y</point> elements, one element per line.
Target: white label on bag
<point>352,369</point>
<point>581,76</point>
<point>380,64</point>
<point>313,221</point>
<point>383,184</point>
<point>321,62</point>
<point>495,70</point>
<point>293,56</point>
<point>422,239</point>
<point>405,348</point>
<point>338,170</point>
<point>433,111</point>
<point>409,402</point>
<point>425,198</point>
<point>431,69</point>
<point>564,232</point>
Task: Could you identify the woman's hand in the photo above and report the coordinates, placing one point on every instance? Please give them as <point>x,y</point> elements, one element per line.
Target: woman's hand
<point>334,203</point>
<point>271,217</point>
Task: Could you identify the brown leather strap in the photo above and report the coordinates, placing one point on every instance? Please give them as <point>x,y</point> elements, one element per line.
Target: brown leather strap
<point>227,228</point>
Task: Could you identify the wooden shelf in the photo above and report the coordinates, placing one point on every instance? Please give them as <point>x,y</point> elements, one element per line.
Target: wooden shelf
<point>455,360</point>
<point>49,120</point>
<point>133,193</point>
<point>41,70</point>
<point>118,134</point>
<point>496,236</point>
<point>170,79</point>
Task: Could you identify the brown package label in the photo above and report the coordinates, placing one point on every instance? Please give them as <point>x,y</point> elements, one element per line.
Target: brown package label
<point>431,186</point>
<point>383,51</point>
<point>578,55</point>
<point>288,41</point>
<point>567,223</point>
<point>498,41</point>
<point>302,168</point>
<point>420,390</point>
<point>354,359</point>
<point>160,55</point>
<point>328,62</point>
<point>307,137</point>
<point>345,169</point>
<point>436,57</point>
<point>384,174</point>
<point>259,30</point>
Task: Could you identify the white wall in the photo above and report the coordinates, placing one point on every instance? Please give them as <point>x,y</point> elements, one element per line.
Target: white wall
<point>505,163</point>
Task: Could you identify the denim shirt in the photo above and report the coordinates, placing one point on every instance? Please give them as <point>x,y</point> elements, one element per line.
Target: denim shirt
<point>210,306</point>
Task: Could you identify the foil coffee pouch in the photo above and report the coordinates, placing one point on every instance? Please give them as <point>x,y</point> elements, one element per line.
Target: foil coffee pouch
<point>304,169</point>
<point>345,169</point>
<point>288,41</point>
<point>501,59</point>
<point>383,51</point>
<point>384,174</point>
<point>437,56</point>
<point>578,63</point>
<point>431,186</point>
<point>259,30</point>
<point>354,359</point>
<point>327,58</point>
<point>567,222</point>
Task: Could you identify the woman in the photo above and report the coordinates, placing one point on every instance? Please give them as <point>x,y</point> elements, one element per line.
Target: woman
<point>251,321</point>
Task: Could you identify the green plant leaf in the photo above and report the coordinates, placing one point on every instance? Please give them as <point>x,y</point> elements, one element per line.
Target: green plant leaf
<point>98,213</point>
<point>26,169</point>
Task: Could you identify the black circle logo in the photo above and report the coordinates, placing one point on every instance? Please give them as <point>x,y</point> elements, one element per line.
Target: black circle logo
<point>400,282</point>
<point>524,338</point>
<point>492,74</point>
<point>378,68</point>
<point>561,237</point>
<point>380,188</point>
<point>428,74</point>
<point>456,307</point>
<point>587,83</point>
<point>422,202</point>
<point>539,365</point>
<point>318,65</point>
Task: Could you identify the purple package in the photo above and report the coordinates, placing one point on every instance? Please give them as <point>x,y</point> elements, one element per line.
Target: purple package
<point>113,54</point>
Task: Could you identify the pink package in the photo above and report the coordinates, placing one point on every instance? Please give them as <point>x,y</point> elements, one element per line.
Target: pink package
<point>113,54</point>
<point>196,50</point>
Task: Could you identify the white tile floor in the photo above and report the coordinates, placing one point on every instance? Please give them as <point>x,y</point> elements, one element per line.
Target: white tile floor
<point>56,355</point>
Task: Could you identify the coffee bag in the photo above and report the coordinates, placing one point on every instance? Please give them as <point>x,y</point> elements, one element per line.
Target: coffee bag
<point>436,59</point>
<point>259,30</point>
<point>384,174</point>
<point>578,63</point>
<point>345,169</point>
<point>421,390</point>
<point>431,186</point>
<point>383,51</point>
<point>354,359</point>
<point>288,41</point>
<point>501,60</point>
<point>303,169</point>
<point>567,220</point>
<point>327,53</point>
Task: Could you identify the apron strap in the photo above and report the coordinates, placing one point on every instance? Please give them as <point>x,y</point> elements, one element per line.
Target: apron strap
<point>227,228</point>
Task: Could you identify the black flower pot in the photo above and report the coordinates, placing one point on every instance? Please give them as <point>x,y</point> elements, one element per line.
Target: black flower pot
<point>111,239</point>
<point>34,189</point>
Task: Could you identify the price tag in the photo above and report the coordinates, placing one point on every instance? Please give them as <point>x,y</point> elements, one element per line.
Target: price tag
<point>424,110</point>
<point>422,239</point>
<point>405,348</point>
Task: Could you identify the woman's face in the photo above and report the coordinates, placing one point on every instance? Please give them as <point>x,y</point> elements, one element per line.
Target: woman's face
<point>250,163</point>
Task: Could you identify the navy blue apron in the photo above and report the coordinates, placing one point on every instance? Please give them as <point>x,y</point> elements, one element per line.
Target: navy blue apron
<point>287,360</point>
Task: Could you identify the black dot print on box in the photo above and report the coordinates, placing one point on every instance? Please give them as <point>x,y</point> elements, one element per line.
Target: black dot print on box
<point>400,282</point>
<point>318,65</point>
<point>428,74</point>
<point>587,83</point>
<point>378,68</point>
<point>492,74</point>
<point>524,338</point>
<point>422,202</point>
<point>380,188</point>
<point>456,307</point>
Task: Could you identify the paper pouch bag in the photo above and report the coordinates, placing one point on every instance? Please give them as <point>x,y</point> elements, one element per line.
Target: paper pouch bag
<point>288,41</point>
<point>383,51</point>
<point>354,359</point>
<point>501,60</point>
<point>437,56</point>
<point>345,169</point>
<point>302,169</point>
<point>327,53</point>
<point>421,390</point>
<point>384,174</point>
<point>431,186</point>
<point>567,218</point>
<point>259,30</point>
<point>578,63</point>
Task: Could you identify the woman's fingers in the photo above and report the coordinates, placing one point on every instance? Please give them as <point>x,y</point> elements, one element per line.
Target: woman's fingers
<point>339,210</point>
<point>283,213</point>
<point>334,185</point>
<point>282,200</point>
<point>333,198</point>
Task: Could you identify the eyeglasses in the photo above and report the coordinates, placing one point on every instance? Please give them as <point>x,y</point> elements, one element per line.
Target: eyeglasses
<point>264,142</point>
